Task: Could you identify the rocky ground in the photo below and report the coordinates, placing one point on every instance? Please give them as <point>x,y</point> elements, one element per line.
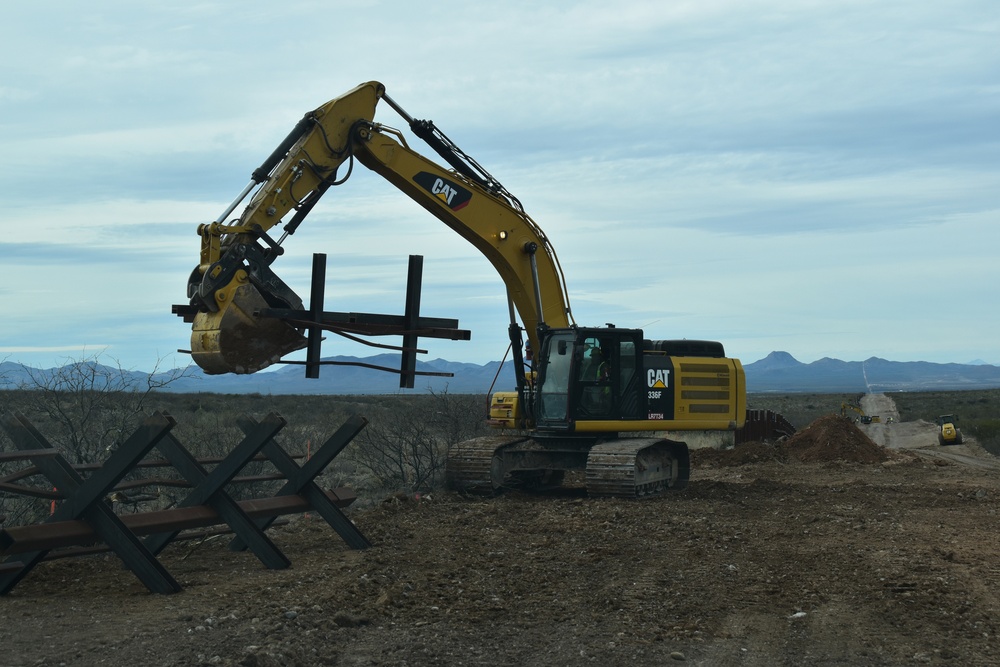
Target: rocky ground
<point>828,549</point>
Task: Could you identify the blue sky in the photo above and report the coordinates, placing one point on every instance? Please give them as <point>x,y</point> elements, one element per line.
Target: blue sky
<point>814,177</point>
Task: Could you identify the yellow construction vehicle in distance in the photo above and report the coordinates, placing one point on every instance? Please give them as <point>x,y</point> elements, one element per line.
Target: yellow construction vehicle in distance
<point>863,418</point>
<point>948,431</point>
<point>844,407</point>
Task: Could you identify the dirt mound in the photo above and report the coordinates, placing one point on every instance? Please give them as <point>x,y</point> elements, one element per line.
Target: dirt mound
<point>834,438</point>
<point>830,438</point>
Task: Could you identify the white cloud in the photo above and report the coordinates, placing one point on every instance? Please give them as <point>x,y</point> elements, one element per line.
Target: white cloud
<point>806,176</point>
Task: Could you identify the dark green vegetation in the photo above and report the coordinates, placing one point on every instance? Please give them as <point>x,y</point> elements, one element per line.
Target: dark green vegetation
<point>801,409</point>
<point>978,411</point>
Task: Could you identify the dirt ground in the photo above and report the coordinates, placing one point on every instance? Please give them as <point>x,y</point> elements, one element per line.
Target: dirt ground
<point>836,547</point>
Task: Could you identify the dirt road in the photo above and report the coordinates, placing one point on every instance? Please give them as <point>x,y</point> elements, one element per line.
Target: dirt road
<point>828,550</point>
<point>919,437</point>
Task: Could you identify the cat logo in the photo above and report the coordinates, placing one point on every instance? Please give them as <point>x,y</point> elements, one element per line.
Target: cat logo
<point>451,194</point>
<point>657,378</point>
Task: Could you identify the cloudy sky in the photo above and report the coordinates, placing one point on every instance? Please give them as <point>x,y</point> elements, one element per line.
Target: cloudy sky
<point>821,178</point>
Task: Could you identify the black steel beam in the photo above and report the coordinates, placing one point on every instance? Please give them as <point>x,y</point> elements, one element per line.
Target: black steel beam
<point>411,317</point>
<point>223,504</point>
<point>223,473</point>
<point>85,500</point>
<point>301,480</point>
<point>370,324</point>
<point>317,294</point>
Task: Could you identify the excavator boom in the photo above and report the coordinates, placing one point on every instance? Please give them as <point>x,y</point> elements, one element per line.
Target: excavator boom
<point>233,279</point>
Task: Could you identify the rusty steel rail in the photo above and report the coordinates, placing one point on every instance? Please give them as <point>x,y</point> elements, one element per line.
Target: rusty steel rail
<point>764,425</point>
<point>21,456</point>
<point>59,534</point>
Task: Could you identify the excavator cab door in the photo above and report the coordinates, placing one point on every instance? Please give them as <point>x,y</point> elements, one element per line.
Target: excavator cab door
<point>588,375</point>
<point>554,367</point>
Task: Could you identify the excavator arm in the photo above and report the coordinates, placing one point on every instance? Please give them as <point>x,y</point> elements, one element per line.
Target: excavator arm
<point>233,280</point>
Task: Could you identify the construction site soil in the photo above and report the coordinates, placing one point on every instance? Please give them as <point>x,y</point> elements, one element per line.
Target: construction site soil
<point>836,547</point>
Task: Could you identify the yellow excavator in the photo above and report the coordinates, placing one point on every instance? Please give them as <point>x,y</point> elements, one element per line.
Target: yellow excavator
<point>863,418</point>
<point>845,407</point>
<point>598,399</point>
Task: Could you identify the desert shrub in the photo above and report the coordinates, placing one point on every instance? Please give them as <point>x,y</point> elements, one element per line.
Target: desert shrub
<point>987,433</point>
<point>970,406</point>
<point>406,443</point>
<point>17,509</point>
<point>87,408</point>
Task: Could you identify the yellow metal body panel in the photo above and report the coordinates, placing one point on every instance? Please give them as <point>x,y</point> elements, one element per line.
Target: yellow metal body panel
<point>506,410</point>
<point>707,389</point>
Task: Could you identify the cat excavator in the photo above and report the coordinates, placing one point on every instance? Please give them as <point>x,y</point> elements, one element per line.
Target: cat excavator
<point>605,400</point>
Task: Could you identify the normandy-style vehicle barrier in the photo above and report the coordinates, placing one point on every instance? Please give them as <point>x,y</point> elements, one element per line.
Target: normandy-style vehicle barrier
<point>83,519</point>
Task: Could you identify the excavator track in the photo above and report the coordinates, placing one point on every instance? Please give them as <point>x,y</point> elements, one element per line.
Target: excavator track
<point>473,466</point>
<point>637,467</point>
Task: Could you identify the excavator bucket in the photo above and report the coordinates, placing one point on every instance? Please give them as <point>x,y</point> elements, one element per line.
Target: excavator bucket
<point>234,340</point>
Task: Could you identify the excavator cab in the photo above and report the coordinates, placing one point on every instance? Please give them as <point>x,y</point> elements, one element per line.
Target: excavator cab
<point>587,374</point>
<point>612,379</point>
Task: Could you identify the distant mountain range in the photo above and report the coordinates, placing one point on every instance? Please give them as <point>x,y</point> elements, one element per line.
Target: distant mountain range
<point>342,375</point>
<point>778,372</point>
<point>781,372</point>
